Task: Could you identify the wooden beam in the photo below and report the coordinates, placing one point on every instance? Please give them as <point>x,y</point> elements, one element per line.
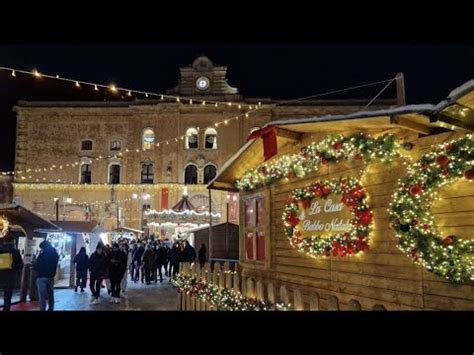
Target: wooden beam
<point>295,136</point>
<point>410,125</point>
<point>400,90</point>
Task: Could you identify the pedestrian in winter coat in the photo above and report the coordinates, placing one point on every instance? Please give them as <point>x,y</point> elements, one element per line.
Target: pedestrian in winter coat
<point>82,262</point>
<point>202,255</point>
<point>108,252</point>
<point>166,261</point>
<point>98,269</point>
<point>137,261</point>
<point>148,263</point>
<point>117,268</point>
<point>46,266</point>
<point>160,259</point>
<point>10,265</point>
<point>127,252</point>
<point>173,257</point>
<point>188,253</point>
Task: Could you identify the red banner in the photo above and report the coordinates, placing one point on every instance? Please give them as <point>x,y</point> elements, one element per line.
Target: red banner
<point>269,137</point>
<point>164,198</point>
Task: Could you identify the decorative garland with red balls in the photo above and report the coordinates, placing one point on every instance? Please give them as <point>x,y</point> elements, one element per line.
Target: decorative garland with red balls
<point>419,237</point>
<point>333,148</point>
<point>340,244</point>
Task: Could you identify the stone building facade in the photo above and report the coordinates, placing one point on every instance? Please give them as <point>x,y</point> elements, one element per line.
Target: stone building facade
<point>92,157</point>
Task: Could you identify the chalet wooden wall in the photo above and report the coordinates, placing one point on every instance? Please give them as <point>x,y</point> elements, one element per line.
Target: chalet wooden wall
<point>383,275</point>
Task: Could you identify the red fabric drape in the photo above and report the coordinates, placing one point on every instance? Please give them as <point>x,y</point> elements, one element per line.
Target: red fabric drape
<point>164,198</point>
<point>269,137</point>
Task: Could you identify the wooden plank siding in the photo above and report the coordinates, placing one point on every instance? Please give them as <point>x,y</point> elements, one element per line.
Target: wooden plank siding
<point>383,275</point>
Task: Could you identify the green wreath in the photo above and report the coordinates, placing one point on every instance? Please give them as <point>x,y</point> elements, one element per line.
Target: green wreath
<point>342,244</point>
<point>419,237</point>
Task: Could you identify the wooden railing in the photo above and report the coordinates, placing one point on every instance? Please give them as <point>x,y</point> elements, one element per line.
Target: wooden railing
<point>225,278</point>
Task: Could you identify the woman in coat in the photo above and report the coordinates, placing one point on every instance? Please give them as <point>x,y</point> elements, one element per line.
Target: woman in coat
<point>82,262</point>
<point>148,263</point>
<point>117,268</point>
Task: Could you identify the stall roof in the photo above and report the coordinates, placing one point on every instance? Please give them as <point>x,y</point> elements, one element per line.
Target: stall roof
<point>77,226</point>
<point>127,229</point>
<point>456,112</point>
<point>207,227</point>
<point>19,215</point>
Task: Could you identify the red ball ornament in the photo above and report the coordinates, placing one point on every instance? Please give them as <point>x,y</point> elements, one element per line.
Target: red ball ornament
<point>426,226</point>
<point>365,217</point>
<point>306,203</point>
<point>358,156</point>
<point>442,160</point>
<point>337,145</point>
<point>469,174</point>
<point>449,240</point>
<point>416,190</point>
<point>415,222</point>
<point>356,193</point>
<point>327,190</point>
<point>324,161</point>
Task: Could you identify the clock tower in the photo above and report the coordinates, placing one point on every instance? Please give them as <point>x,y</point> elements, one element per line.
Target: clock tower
<point>202,78</point>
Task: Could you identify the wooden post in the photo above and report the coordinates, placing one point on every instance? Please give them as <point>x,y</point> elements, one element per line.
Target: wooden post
<point>243,286</point>
<point>207,277</point>
<point>271,293</point>
<point>400,82</point>
<point>236,281</point>
<point>298,300</point>
<point>259,290</point>
<point>284,295</point>
<point>314,301</point>
<point>210,226</point>
<point>215,274</point>
<point>197,302</point>
<point>222,277</point>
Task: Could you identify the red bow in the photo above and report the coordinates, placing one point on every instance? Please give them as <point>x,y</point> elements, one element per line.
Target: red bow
<point>269,137</point>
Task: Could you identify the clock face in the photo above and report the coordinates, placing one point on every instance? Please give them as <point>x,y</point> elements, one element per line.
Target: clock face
<point>202,83</point>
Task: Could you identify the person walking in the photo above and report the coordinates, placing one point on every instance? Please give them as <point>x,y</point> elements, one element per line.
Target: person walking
<point>10,265</point>
<point>97,269</point>
<point>174,256</point>
<point>124,283</point>
<point>46,265</point>
<point>107,252</point>
<point>166,261</point>
<point>137,261</point>
<point>160,258</point>
<point>202,255</point>
<point>188,253</point>
<point>117,268</point>
<point>82,262</point>
<point>148,263</point>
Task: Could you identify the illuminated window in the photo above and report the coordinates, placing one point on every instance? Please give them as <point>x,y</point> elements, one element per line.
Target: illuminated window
<point>147,173</point>
<point>190,174</point>
<point>148,139</point>
<point>192,141</point>
<point>210,172</point>
<point>254,229</point>
<point>86,145</point>
<point>86,174</point>
<point>114,174</point>
<point>210,139</point>
<point>115,145</point>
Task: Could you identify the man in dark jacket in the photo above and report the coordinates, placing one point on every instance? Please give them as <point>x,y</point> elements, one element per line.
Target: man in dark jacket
<point>98,269</point>
<point>160,260</point>
<point>189,253</point>
<point>202,255</point>
<point>82,262</point>
<point>117,268</point>
<point>174,259</point>
<point>10,265</point>
<point>137,261</point>
<point>45,267</point>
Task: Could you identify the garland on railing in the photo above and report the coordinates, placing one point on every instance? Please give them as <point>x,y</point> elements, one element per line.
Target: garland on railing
<point>331,149</point>
<point>222,298</point>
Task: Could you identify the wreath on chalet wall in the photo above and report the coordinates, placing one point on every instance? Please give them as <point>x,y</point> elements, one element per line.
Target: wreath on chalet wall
<point>419,237</point>
<point>351,242</point>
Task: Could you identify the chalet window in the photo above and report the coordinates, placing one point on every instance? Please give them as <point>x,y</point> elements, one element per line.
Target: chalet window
<point>148,139</point>
<point>192,141</point>
<point>210,139</point>
<point>190,175</point>
<point>86,145</point>
<point>255,229</point>
<point>114,174</point>
<point>147,173</point>
<point>115,145</point>
<point>209,173</point>
<point>86,174</point>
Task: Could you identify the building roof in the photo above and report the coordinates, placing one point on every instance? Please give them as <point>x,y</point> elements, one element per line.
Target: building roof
<point>214,225</point>
<point>456,112</point>
<point>76,226</point>
<point>27,219</point>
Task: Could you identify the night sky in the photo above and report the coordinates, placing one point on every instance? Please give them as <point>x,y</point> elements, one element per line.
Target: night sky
<point>262,70</point>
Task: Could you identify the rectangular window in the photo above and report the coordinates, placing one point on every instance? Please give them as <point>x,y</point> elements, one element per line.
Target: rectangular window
<point>147,174</point>
<point>86,174</point>
<point>255,229</point>
<point>114,174</point>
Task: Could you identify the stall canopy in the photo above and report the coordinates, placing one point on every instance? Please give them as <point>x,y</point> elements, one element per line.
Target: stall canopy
<point>455,113</point>
<point>76,226</point>
<point>18,215</point>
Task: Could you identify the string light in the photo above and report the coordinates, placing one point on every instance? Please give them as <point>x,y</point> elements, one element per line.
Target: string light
<point>36,73</point>
<point>113,88</point>
<point>77,84</point>
<point>96,88</point>
<point>13,73</point>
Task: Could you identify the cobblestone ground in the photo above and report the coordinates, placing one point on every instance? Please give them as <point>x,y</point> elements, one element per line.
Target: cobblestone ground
<point>138,297</point>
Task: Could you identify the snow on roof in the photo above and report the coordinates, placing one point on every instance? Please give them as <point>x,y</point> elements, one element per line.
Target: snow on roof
<point>461,90</point>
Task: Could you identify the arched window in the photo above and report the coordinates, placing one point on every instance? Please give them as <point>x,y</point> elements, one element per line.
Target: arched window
<point>114,174</point>
<point>86,174</point>
<point>190,174</point>
<point>210,172</point>
<point>115,145</point>
<point>148,141</point>
<point>147,173</point>
<point>192,141</point>
<point>86,145</point>
<point>210,139</point>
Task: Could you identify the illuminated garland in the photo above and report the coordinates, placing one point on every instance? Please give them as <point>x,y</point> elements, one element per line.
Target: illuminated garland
<point>333,148</point>
<point>342,244</point>
<point>222,298</point>
<point>412,218</point>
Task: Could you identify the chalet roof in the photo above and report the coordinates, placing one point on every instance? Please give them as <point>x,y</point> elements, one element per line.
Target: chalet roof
<point>19,215</point>
<point>76,226</point>
<point>456,112</point>
<point>183,205</point>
